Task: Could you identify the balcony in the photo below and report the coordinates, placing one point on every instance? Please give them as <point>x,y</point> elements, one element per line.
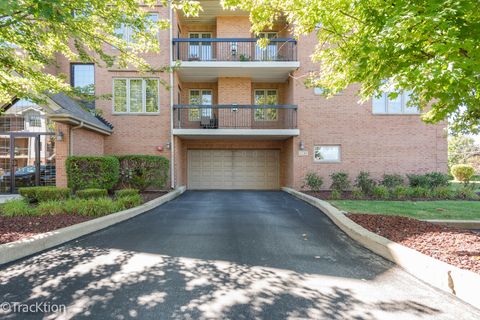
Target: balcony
<point>224,121</point>
<point>207,59</point>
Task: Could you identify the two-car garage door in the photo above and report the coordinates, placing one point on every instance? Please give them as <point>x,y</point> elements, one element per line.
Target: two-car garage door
<point>233,169</point>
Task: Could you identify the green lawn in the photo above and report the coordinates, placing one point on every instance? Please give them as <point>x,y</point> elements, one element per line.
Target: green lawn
<point>455,210</point>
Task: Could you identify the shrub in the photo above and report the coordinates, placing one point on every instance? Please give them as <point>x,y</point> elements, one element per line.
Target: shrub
<point>340,181</point>
<point>357,193</point>
<point>463,172</point>
<point>429,180</point>
<point>95,207</point>
<point>365,183</point>
<point>92,193</point>
<point>51,207</point>
<point>381,192</point>
<point>399,192</point>
<point>437,179</point>
<point>443,193</point>
<point>17,207</point>
<point>335,194</point>
<point>128,201</point>
<point>126,192</point>
<point>313,181</point>
<point>419,193</point>
<point>392,180</point>
<point>34,194</point>
<point>143,171</point>
<point>466,193</point>
<point>86,172</point>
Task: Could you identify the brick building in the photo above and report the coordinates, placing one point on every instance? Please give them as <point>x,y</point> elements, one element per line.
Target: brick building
<point>239,116</point>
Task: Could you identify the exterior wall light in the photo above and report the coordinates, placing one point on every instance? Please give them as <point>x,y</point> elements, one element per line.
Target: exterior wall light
<point>301,145</point>
<point>59,136</point>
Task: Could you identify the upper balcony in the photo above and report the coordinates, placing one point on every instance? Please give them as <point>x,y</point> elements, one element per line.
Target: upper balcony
<point>206,59</point>
<point>246,121</point>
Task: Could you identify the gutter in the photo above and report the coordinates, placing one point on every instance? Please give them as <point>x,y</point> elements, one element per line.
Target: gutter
<point>172,141</point>
<point>72,120</point>
<point>70,135</point>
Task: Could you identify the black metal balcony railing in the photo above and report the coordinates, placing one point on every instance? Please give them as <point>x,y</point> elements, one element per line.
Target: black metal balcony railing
<point>187,116</point>
<point>234,49</point>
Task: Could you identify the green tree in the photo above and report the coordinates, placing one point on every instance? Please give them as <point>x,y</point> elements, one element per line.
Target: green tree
<point>461,149</point>
<point>428,47</point>
<point>34,32</point>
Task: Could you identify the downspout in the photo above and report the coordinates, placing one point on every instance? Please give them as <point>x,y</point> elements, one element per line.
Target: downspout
<point>172,141</point>
<point>70,134</point>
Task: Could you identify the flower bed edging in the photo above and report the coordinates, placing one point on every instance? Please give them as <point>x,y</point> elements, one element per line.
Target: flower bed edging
<point>22,248</point>
<point>462,283</point>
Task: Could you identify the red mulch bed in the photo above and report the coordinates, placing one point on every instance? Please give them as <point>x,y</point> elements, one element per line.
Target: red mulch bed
<point>458,247</point>
<point>16,228</point>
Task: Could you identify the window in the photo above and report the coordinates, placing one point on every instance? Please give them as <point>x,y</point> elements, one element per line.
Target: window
<point>320,91</point>
<point>266,97</point>
<point>34,120</point>
<point>200,97</point>
<point>389,105</point>
<point>135,95</point>
<point>127,33</point>
<point>82,77</point>
<point>270,52</point>
<point>200,50</point>
<point>326,153</point>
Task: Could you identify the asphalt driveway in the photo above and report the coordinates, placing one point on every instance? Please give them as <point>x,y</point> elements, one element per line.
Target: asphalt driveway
<point>218,255</point>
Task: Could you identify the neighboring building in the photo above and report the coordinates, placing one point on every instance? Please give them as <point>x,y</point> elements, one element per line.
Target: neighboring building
<point>239,116</point>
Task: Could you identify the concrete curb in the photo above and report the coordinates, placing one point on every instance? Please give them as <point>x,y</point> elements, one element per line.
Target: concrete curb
<point>462,283</point>
<point>22,248</point>
<point>461,224</point>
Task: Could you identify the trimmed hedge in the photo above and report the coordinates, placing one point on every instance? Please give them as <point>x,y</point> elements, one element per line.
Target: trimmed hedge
<point>126,193</point>
<point>88,172</point>
<point>430,180</point>
<point>463,172</point>
<point>40,194</point>
<point>143,171</point>
<point>92,193</point>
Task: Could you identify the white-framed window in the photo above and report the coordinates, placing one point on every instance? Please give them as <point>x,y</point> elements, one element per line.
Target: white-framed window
<point>127,32</point>
<point>326,153</point>
<point>398,105</point>
<point>266,97</point>
<point>200,50</point>
<point>34,120</point>
<point>136,95</point>
<point>200,97</point>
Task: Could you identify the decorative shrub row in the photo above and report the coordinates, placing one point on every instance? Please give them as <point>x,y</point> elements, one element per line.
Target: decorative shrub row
<point>403,192</point>
<point>143,171</point>
<point>86,172</point>
<point>433,185</point>
<point>85,207</point>
<point>106,172</point>
<point>39,194</point>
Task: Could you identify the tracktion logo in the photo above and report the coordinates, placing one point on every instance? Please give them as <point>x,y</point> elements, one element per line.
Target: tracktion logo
<point>37,307</point>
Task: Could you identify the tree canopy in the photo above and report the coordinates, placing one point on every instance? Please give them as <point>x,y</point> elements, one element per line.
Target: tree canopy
<point>34,32</point>
<point>429,47</point>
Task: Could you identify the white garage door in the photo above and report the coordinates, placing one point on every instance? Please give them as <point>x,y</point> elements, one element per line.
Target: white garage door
<point>233,169</point>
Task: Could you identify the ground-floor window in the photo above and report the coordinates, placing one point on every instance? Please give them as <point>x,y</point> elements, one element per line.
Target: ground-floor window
<point>326,153</point>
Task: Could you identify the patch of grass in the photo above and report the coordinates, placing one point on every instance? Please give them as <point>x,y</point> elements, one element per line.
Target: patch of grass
<point>455,210</point>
